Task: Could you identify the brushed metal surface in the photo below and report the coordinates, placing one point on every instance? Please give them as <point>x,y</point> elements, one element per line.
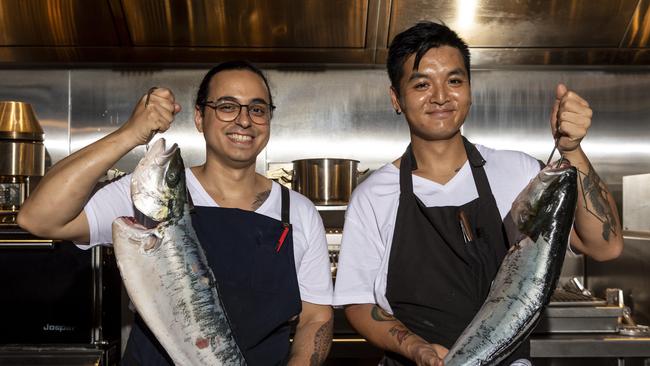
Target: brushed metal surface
<point>22,158</point>
<point>102,100</point>
<point>629,272</point>
<point>18,122</point>
<point>511,110</point>
<point>56,23</point>
<point>530,23</point>
<point>636,202</point>
<point>254,23</point>
<point>335,114</point>
<point>638,33</point>
<point>328,182</point>
<point>47,92</point>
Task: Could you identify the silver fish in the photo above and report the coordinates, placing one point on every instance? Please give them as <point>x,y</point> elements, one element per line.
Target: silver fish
<point>544,213</point>
<point>165,270</point>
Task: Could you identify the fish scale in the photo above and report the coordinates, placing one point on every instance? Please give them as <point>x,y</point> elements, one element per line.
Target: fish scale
<point>165,270</point>
<point>544,213</point>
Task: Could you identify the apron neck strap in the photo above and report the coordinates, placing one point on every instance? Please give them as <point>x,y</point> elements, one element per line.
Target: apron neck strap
<point>408,164</point>
<point>285,206</point>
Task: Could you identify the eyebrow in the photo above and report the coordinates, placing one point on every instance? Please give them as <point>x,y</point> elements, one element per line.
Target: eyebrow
<point>454,72</point>
<point>233,99</point>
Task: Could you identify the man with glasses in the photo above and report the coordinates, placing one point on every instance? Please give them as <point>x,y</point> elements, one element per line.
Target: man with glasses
<point>265,244</point>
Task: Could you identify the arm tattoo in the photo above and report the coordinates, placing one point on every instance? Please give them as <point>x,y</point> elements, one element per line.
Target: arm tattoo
<point>594,193</point>
<point>322,342</point>
<point>380,314</point>
<point>400,332</point>
<point>260,198</point>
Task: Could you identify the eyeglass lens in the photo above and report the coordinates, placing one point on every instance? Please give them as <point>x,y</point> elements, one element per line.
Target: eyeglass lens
<point>229,111</point>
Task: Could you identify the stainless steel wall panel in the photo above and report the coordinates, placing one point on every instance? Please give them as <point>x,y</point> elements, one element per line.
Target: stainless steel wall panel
<point>47,92</point>
<point>636,202</point>
<point>511,110</point>
<point>335,114</point>
<point>102,100</point>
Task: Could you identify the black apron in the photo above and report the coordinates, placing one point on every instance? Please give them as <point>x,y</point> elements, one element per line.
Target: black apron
<point>436,282</point>
<point>251,256</point>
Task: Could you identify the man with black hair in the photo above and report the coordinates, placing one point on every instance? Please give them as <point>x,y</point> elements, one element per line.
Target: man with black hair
<point>410,281</point>
<point>265,244</point>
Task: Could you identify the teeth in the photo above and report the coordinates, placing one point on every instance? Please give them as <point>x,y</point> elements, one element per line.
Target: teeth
<point>239,138</point>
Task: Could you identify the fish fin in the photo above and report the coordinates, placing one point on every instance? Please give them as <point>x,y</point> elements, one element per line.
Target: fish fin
<point>150,244</point>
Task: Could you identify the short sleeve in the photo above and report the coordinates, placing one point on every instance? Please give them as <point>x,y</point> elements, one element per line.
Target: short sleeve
<point>313,271</point>
<point>360,258</point>
<point>108,203</point>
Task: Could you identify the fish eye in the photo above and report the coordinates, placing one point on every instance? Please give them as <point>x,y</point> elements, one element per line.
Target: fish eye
<point>172,178</point>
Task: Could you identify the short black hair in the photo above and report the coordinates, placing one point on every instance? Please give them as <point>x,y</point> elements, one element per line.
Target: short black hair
<point>417,40</point>
<point>204,88</point>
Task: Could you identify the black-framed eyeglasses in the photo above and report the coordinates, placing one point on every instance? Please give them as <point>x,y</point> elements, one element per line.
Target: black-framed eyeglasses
<point>228,110</point>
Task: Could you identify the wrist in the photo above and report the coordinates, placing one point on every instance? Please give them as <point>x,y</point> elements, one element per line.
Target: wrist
<point>411,347</point>
<point>124,141</point>
<point>573,156</point>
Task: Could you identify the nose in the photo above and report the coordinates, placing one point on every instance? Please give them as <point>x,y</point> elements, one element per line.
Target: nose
<point>244,119</point>
<point>439,95</point>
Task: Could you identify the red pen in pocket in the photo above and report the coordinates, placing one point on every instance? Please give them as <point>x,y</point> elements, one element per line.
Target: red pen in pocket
<point>283,236</point>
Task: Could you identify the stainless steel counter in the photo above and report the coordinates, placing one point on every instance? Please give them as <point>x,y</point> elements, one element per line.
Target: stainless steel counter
<point>589,346</point>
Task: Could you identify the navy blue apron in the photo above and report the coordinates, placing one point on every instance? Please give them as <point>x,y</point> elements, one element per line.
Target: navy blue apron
<point>251,256</point>
<point>437,281</point>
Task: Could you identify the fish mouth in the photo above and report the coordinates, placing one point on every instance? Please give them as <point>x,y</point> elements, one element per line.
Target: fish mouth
<point>159,153</point>
<point>142,220</point>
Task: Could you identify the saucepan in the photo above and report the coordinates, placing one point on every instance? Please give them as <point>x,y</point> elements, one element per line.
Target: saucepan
<point>325,181</point>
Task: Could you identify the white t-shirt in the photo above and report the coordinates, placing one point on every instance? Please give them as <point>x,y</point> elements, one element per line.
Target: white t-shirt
<point>309,243</point>
<point>371,214</point>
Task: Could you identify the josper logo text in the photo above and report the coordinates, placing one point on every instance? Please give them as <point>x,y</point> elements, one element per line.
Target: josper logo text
<point>58,328</point>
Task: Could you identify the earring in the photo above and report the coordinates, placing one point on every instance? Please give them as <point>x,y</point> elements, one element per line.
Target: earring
<point>398,112</point>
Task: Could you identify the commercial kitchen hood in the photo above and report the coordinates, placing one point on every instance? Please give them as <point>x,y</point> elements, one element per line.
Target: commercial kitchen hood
<point>63,33</point>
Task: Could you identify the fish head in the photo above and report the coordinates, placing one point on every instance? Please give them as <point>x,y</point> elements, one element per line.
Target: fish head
<point>158,188</point>
<point>549,197</point>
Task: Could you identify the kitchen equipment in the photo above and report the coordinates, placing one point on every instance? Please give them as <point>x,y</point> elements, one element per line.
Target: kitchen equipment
<point>57,293</point>
<point>576,312</point>
<point>22,156</point>
<point>327,182</point>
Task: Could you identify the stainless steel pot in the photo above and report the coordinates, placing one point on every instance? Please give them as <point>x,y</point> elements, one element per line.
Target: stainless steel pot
<point>328,182</point>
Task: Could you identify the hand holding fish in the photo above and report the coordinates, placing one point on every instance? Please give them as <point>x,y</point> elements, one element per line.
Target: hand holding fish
<point>427,354</point>
<point>154,113</point>
<point>570,119</point>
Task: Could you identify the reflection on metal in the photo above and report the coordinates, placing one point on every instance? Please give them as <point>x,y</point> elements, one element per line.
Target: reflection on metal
<point>18,122</point>
<point>525,23</point>
<point>629,272</point>
<point>636,202</point>
<point>171,33</point>
<point>466,14</point>
<point>638,34</point>
<point>254,23</point>
<point>56,23</point>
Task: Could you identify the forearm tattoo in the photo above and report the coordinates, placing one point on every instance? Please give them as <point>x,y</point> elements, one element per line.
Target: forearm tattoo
<point>594,193</point>
<point>260,198</point>
<point>380,314</point>
<point>322,342</point>
<point>400,332</point>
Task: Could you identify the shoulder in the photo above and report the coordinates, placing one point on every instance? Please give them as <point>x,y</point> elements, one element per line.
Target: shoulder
<point>508,162</point>
<point>382,182</point>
